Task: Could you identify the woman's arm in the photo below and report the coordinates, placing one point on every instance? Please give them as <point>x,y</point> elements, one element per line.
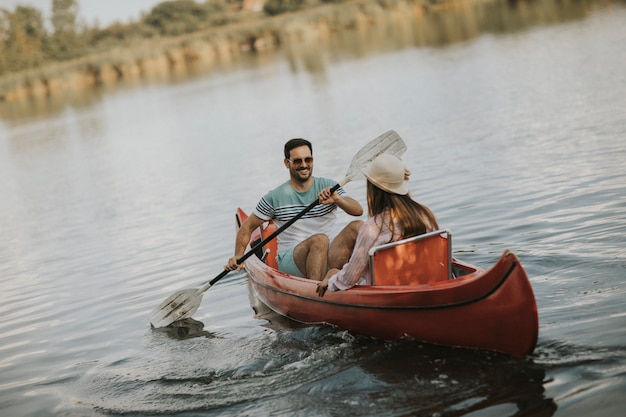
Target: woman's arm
<point>358,267</point>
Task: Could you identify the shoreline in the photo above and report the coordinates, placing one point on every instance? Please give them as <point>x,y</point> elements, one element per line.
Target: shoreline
<point>157,59</point>
<point>427,22</point>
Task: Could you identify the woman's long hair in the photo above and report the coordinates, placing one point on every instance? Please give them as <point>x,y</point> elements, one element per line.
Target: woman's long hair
<point>414,218</point>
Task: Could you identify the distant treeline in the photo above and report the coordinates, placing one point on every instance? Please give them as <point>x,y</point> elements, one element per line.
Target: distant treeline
<point>26,43</point>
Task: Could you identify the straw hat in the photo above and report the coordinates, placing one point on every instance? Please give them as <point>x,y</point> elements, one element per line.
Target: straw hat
<point>388,173</point>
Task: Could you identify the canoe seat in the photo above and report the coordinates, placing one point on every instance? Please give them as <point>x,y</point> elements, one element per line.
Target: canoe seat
<point>270,257</point>
<point>422,259</point>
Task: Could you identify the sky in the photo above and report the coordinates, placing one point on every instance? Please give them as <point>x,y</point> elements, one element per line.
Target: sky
<point>104,12</point>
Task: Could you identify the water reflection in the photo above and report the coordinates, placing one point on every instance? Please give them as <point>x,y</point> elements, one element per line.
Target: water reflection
<point>185,329</point>
<point>273,320</point>
<point>37,107</point>
<point>455,382</point>
<point>422,379</point>
<point>435,380</point>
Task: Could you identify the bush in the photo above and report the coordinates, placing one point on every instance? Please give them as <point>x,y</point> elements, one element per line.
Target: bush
<point>23,39</point>
<point>176,17</point>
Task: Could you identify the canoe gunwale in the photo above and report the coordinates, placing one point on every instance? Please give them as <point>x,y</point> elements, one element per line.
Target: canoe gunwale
<point>479,298</point>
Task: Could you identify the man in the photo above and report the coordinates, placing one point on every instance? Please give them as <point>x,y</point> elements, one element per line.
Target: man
<point>304,248</point>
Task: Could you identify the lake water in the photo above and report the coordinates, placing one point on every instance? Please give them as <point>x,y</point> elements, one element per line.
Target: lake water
<point>112,201</point>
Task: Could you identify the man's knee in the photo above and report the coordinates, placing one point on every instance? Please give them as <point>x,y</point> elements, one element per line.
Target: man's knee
<point>343,244</point>
<point>354,226</point>
<point>349,233</point>
<point>318,242</point>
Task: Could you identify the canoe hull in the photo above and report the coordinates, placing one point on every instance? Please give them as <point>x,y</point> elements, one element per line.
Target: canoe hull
<point>491,309</point>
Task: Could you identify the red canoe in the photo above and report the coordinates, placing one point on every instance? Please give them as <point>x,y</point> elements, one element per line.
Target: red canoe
<point>419,291</point>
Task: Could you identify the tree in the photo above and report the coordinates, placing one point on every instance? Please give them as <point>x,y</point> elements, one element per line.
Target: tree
<point>176,17</point>
<point>274,7</point>
<point>64,13</point>
<point>66,41</point>
<point>23,37</point>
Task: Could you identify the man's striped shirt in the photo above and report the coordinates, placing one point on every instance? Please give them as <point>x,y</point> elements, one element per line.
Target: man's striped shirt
<point>283,203</point>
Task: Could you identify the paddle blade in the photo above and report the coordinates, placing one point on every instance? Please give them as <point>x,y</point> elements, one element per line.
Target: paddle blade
<point>389,142</point>
<point>180,305</point>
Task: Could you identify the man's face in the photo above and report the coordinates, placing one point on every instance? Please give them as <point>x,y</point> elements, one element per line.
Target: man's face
<point>300,163</point>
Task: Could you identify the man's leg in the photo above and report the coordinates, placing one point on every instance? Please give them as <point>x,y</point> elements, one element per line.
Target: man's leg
<point>311,256</point>
<point>342,245</point>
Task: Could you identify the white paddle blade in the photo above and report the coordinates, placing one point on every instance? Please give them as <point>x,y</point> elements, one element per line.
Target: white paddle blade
<point>389,142</point>
<point>180,305</point>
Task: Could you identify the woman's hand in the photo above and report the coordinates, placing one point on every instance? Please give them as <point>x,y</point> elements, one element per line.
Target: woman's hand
<point>322,286</point>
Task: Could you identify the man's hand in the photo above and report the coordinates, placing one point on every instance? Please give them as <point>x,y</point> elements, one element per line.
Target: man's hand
<point>241,241</point>
<point>344,202</point>
<point>232,264</point>
<point>326,197</point>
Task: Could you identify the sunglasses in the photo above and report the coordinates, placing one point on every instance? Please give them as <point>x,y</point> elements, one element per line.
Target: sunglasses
<point>298,161</point>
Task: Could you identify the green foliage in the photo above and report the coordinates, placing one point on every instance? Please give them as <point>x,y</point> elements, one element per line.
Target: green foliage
<point>64,13</point>
<point>66,41</point>
<point>26,43</point>
<point>274,7</point>
<point>117,34</point>
<point>218,6</point>
<point>176,17</point>
<point>23,39</point>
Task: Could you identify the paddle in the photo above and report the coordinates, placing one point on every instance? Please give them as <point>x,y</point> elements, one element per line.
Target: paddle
<point>184,303</point>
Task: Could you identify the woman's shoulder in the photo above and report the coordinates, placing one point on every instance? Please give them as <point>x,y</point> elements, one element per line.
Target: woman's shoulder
<point>380,222</point>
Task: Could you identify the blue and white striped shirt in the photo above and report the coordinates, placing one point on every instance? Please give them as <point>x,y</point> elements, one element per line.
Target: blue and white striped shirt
<point>283,202</point>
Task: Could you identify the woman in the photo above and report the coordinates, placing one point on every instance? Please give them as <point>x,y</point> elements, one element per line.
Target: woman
<point>394,215</point>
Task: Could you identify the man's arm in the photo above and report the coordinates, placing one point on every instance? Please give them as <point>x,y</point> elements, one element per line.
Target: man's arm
<point>242,239</point>
<point>347,204</point>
